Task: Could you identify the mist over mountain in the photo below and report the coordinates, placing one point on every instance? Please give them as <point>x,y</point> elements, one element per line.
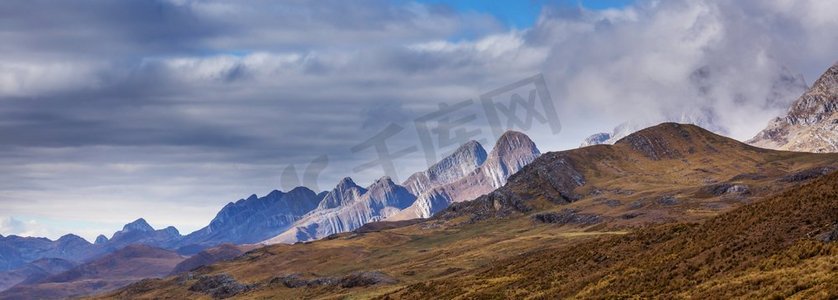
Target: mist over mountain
<point>811,124</point>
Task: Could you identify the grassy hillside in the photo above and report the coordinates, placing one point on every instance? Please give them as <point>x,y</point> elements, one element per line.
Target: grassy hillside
<point>772,249</point>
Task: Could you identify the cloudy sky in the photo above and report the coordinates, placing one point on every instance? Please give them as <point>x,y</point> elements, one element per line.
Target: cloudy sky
<point>169,109</point>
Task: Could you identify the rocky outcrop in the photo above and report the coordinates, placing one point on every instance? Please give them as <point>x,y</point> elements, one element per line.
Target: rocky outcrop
<point>811,124</point>
<point>808,174</point>
<point>364,278</point>
<point>219,286</point>
<point>567,216</point>
<point>352,280</point>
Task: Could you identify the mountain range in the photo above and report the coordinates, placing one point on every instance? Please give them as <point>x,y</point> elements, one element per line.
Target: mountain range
<point>671,210</point>
<point>467,173</point>
<point>280,217</point>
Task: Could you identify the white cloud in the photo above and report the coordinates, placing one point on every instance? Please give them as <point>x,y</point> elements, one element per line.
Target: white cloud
<point>13,226</point>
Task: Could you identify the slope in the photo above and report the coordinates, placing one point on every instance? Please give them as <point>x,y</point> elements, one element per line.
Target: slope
<point>778,248</point>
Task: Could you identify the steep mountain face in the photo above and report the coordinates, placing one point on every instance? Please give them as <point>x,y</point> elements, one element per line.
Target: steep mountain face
<point>511,153</point>
<point>344,193</point>
<point>811,124</point>
<point>255,219</point>
<point>464,160</point>
<point>109,272</point>
<point>349,207</point>
<point>140,232</point>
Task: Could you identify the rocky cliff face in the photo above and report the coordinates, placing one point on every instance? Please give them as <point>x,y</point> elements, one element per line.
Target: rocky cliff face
<point>465,174</point>
<point>255,219</point>
<point>511,153</point>
<point>344,193</point>
<point>811,124</point>
<point>465,159</point>
<point>360,206</point>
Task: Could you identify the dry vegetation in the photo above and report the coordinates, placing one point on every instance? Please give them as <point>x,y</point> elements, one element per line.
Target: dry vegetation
<point>764,250</point>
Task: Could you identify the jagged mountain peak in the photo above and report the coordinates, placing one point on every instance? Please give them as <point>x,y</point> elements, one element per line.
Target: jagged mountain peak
<point>512,151</point>
<point>819,102</point>
<point>385,181</point>
<point>346,191</point>
<point>138,225</point>
<point>513,140</point>
<point>346,183</point>
<point>811,124</point>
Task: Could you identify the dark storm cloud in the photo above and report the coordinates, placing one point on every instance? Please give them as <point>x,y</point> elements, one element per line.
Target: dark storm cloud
<point>83,27</point>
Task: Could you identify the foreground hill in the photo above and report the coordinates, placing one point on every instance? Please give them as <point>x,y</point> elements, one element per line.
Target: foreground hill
<point>785,246</point>
<point>643,194</point>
